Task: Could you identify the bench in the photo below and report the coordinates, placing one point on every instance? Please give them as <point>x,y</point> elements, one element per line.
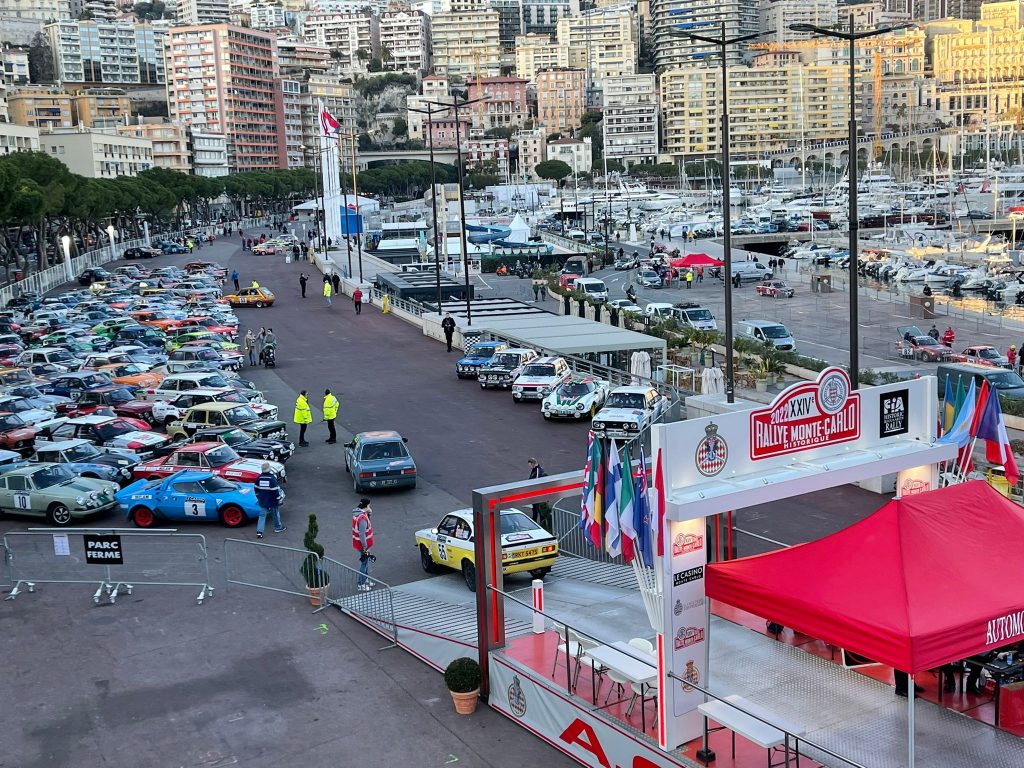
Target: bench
<point>767,736</point>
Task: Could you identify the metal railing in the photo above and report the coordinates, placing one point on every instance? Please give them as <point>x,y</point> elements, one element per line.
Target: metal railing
<point>572,540</point>
<point>285,569</point>
<point>161,558</point>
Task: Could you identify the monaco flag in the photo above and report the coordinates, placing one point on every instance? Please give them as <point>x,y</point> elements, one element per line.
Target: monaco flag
<point>328,125</point>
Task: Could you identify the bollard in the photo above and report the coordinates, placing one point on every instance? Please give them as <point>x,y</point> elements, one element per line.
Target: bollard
<point>538,605</point>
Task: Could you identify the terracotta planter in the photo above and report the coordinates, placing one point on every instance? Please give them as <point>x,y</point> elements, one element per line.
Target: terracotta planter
<point>465,703</point>
<point>317,595</point>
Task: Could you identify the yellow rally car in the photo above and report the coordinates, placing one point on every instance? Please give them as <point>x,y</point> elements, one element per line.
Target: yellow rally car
<point>252,297</point>
<point>525,546</point>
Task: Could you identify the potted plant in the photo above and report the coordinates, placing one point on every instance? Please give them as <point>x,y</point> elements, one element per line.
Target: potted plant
<point>315,577</point>
<point>760,371</point>
<point>463,678</point>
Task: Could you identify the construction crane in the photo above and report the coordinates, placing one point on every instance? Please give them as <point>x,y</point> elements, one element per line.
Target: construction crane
<point>876,149</point>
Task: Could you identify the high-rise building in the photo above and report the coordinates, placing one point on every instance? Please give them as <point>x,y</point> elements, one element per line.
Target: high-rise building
<point>466,43</point>
<point>15,64</point>
<point>44,108</point>
<point>289,100</point>
<point>561,99</point>
<point>101,107</point>
<point>674,50</point>
<point>537,52</point>
<point>296,57</point>
<point>406,37</point>
<point>38,11</point>
<point>603,42</point>
<point>170,142</point>
<point>98,154</point>
<point>95,53</point>
<point>631,119</point>
<point>220,79</point>
<point>203,11</point>
<point>209,152</point>
<point>542,16</point>
<point>777,15</point>
<point>352,38</point>
<point>267,16</point>
<point>504,104</point>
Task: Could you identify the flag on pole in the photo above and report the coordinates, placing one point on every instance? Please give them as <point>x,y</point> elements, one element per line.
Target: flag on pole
<point>658,518</point>
<point>959,433</point>
<point>948,406</point>
<point>642,515</point>
<point>979,406</point>
<point>589,478</point>
<point>626,504</point>
<point>328,125</point>
<point>961,396</point>
<point>992,429</point>
<point>612,487</point>
<point>596,526</point>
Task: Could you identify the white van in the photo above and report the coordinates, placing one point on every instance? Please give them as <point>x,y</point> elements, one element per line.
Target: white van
<point>751,270</point>
<point>592,287</point>
<point>767,332</point>
<point>695,316</point>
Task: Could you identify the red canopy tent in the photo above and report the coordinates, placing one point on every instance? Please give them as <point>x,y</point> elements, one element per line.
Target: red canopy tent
<point>925,580</point>
<point>695,260</point>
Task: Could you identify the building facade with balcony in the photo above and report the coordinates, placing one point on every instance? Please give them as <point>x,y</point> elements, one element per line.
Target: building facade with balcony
<point>631,119</point>
<point>561,99</point>
<point>101,108</point>
<point>576,153</point>
<point>18,138</point>
<point>209,153</point>
<point>117,53</point>
<point>406,37</point>
<point>466,44</point>
<point>98,154</point>
<point>352,38</point>
<point>503,105</point>
<point>170,143</point>
<point>42,108</point>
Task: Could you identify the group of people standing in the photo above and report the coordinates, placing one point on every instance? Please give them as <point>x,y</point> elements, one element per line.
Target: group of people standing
<point>303,416</point>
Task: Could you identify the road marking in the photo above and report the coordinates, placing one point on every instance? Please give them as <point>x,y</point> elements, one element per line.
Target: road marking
<point>451,759</point>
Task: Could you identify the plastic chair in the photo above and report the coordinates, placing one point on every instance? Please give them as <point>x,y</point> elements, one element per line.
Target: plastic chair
<point>645,692</point>
<point>572,649</point>
<point>597,669</point>
<point>642,645</point>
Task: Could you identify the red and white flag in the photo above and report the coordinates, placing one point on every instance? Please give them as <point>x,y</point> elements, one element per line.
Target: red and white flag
<point>658,508</point>
<point>328,125</point>
<point>992,429</point>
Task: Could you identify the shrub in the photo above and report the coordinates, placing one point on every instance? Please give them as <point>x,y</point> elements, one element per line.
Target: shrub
<point>463,675</point>
<point>311,571</point>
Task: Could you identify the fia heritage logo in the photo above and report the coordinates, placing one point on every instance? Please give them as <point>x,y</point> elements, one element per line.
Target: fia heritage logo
<point>893,413</point>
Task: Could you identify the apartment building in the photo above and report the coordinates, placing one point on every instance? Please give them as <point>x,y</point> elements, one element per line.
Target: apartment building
<point>267,16</point>
<point>352,38</point>
<point>537,52</point>
<point>466,43</point>
<point>295,57</point>
<point>406,36</point>
<point>203,11</point>
<point>170,142</point>
<point>604,42</point>
<point>532,150</point>
<point>112,53</point>
<point>32,11</point>
<point>576,153</point>
<point>42,108</point>
<point>561,99</point>
<point>209,152</point>
<point>289,100</point>
<point>631,119</point>
<point>495,152</point>
<point>15,66</point>
<point>776,15</point>
<point>504,104</point>
<point>337,97</point>
<point>98,154</point>
<point>740,17</point>
<point>18,138</point>
<point>220,79</point>
<point>434,89</point>
<point>101,108</point>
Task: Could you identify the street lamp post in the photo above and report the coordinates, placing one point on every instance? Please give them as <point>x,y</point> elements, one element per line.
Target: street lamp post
<point>722,43</point>
<point>456,105</point>
<point>317,196</point>
<point>65,242</point>
<point>852,37</point>
<point>429,112</point>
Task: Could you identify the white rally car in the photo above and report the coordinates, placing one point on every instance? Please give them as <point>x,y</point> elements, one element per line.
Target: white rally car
<point>580,396</point>
<point>539,378</point>
<point>628,412</point>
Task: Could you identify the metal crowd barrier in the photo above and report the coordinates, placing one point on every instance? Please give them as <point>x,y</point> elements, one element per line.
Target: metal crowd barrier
<point>115,560</point>
<point>281,569</point>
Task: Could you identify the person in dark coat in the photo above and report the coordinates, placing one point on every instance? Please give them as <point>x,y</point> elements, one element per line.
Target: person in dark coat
<point>448,326</point>
<point>303,277</point>
<point>542,511</point>
<point>336,283</point>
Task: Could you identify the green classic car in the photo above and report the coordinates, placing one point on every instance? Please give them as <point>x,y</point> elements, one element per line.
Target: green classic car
<point>208,338</point>
<point>110,328</point>
<point>55,492</point>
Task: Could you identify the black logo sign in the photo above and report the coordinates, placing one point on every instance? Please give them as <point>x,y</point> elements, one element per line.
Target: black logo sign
<point>690,574</point>
<point>893,415</point>
<point>102,549</point>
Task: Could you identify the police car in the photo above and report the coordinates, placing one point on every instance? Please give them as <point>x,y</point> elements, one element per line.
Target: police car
<point>525,546</point>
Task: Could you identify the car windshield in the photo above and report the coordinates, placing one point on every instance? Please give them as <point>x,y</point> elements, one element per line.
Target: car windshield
<point>81,452</point>
<point>214,381</point>
<point>626,400</point>
<point>649,275</point>
<point>111,429</point>
<point>574,389</point>
<point>60,356</point>
<point>10,421</point>
<point>234,437</point>
<point>539,370</point>
<point>241,415</point>
<point>927,341</point>
<point>93,381</point>
<point>206,354</point>
<point>119,396</point>
<point>775,332</point>
<point>231,396</point>
<point>511,361</point>
<point>988,354</point>
<point>221,455</point>
<point>54,475</point>
<point>393,449</point>
<point>480,350</point>
<point>1005,380</point>
<point>216,484</point>
<point>517,522</point>
<point>699,314</point>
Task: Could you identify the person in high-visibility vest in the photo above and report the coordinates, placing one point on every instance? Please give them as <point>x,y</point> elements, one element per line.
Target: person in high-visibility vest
<point>330,414</point>
<point>362,541</point>
<point>327,292</point>
<point>302,416</point>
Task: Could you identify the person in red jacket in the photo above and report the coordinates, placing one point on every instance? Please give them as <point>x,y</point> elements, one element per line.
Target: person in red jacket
<point>362,541</point>
<point>357,299</point>
<point>949,336</point>
<point>1011,356</point>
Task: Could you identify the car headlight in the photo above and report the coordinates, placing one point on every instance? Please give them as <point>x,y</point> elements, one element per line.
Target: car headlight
<point>634,425</point>
<point>545,406</point>
<point>517,389</point>
<point>545,390</point>
<point>80,501</point>
<point>579,406</point>
<point>598,425</point>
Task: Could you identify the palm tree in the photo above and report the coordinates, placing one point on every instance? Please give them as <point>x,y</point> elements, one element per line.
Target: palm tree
<point>362,54</point>
<point>386,56</point>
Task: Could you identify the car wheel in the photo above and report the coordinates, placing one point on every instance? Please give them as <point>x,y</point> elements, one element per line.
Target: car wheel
<point>143,517</point>
<point>59,514</point>
<point>546,415</point>
<point>259,305</point>
<point>427,561</point>
<point>232,516</point>
<point>540,573</point>
<point>469,574</point>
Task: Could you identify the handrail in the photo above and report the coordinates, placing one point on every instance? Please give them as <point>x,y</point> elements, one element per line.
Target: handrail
<point>674,676</point>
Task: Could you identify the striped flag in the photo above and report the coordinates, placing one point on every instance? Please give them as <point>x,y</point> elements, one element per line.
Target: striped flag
<point>658,518</point>
<point>992,429</point>
<point>948,406</point>
<point>328,125</point>
<point>626,507</point>
<point>642,515</point>
<point>590,484</point>
<point>612,487</point>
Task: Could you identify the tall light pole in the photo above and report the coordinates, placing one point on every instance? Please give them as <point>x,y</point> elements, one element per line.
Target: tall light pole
<point>317,193</point>
<point>852,37</point>
<point>353,137</point>
<point>456,105</point>
<point>429,112</point>
<point>722,43</point>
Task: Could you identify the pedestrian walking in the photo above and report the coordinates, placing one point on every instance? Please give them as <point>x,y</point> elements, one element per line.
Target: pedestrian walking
<point>336,283</point>
<point>1011,356</point>
<point>327,292</point>
<point>590,264</point>
<point>357,299</point>
<point>302,416</point>
<point>303,277</point>
<point>330,414</point>
<point>536,291</point>
<point>234,279</point>
<point>250,346</point>
<point>949,336</point>
<point>541,512</point>
<point>448,326</point>
<point>362,541</point>
<point>269,496</point>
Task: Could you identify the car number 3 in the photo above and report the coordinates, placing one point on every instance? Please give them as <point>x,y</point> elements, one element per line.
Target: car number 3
<point>442,551</point>
<point>195,507</point>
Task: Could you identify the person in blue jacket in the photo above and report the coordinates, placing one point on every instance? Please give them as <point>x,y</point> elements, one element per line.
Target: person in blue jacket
<point>269,495</point>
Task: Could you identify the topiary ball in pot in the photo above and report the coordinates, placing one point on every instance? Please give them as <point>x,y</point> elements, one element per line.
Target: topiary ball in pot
<point>463,677</point>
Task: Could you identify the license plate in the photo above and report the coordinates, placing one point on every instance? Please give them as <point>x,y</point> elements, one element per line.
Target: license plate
<point>526,553</point>
<point>387,482</point>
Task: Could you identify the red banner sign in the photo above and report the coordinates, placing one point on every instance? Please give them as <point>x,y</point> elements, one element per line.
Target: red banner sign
<point>807,416</point>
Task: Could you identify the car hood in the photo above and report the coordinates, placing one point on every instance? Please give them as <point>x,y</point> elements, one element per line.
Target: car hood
<point>145,438</point>
<point>473,360</point>
<point>625,414</point>
<point>557,398</point>
<point>498,367</point>
<point>252,465</point>
<point>88,466</point>
<point>84,485</point>
<point>537,381</point>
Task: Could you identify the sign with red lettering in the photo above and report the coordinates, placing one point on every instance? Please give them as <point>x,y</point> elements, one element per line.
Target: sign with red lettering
<point>807,416</point>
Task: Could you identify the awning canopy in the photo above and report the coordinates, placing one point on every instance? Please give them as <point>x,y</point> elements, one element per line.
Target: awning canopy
<point>695,260</point>
<point>925,580</point>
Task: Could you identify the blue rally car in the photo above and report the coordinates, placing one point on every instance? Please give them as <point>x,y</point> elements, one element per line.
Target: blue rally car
<point>379,459</point>
<point>478,356</point>
<point>189,496</point>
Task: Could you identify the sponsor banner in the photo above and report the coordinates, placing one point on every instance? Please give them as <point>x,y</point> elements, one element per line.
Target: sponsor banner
<point>684,645</point>
<point>894,413</point>
<point>915,480</point>
<point>572,728</point>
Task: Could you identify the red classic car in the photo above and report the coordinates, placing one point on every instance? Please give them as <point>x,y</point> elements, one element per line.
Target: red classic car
<point>215,457</point>
<point>16,434</point>
<point>110,401</point>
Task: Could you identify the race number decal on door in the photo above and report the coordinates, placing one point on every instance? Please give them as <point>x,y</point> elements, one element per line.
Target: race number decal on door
<point>442,551</point>
<point>22,501</point>
<point>195,507</point>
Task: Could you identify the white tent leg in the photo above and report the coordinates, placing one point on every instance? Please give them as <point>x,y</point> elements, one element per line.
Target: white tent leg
<point>910,721</point>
